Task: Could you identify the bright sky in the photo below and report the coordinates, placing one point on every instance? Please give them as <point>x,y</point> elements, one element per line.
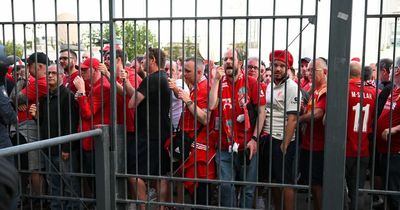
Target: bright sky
<point>89,10</point>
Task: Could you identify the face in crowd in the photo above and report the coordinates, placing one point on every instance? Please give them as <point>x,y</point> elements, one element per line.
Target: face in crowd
<point>231,63</point>
<point>252,68</point>
<point>67,61</point>
<point>279,70</point>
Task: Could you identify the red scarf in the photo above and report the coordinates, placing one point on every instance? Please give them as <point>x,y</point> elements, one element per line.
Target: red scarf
<point>241,99</point>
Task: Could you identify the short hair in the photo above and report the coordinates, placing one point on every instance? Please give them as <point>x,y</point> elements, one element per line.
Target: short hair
<point>158,55</point>
<point>71,52</point>
<point>119,54</point>
<point>59,68</point>
<point>367,73</point>
<point>198,62</point>
<point>263,64</point>
<point>385,63</point>
<point>253,58</point>
<point>239,53</point>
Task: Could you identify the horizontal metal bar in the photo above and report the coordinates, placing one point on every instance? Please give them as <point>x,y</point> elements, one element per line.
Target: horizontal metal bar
<point>160,18</point>
<point>379,192</point>
<point>159,203</point>
<point>383,16</point>
<point>44,172</point>
<point>212,181</point>
<point>53,197</point>
<point>218,17</point>
<point>53,22</point>
<point>48,142</point>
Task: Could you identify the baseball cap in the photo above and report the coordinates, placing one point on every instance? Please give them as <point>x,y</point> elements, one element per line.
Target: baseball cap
<point>86,64</point>
<point>306,59</point>
<point>41,58</point>
<point>280,55</point>
<point>356,59</point>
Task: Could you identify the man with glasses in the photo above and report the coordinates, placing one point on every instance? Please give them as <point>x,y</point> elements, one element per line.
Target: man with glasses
<point>58,116</point>
<point>314,147</point>
<point>388,139</point>
<point>68,61</point>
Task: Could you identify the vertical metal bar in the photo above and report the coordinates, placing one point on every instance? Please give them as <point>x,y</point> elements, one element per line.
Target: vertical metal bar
<point>195,90</point>
<point>103,173</point>
<point>219,101</point>
<point>336,113</point>
<point>113,104</point>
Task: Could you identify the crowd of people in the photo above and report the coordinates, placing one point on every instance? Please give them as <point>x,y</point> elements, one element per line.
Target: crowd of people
<point>243,120</point>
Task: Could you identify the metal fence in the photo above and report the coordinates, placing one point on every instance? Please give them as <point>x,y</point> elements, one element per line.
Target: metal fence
<point>130,165</point>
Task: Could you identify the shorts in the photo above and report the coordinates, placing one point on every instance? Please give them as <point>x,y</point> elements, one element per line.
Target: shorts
<point>317,164</point>
<point>285,176</point>
<point>147,158</point>
<point>28,129</point>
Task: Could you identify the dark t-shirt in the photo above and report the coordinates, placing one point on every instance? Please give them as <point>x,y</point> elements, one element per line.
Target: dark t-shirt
<point>157,98</point>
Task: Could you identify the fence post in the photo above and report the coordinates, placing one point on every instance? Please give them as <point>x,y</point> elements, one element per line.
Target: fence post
<point>336,113</point>
<point>102,164</point>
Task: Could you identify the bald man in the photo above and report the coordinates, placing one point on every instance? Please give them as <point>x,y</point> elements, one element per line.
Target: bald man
<point>355,128</point>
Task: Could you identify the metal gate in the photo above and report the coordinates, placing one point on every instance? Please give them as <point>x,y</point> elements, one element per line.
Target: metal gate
<point>126,36</point>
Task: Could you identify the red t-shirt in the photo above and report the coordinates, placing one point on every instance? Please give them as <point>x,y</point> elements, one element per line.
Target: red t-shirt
<point>101,108</point>
<point>383,123</point>
<point>305,84</point>
<point>68,81</point>
<point>319,128</point>
<point>254,94</point>
<point>353,115</point>
<point>30,92</point>
<point>121,109</point>
<point>188,118</point>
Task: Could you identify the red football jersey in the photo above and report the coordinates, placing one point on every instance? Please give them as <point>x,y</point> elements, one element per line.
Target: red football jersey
<point>319,128</point>
<point>354,114</point>
<point>384,122</point>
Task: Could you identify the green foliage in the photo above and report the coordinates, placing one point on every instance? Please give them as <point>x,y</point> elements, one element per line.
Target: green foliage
<point>177,51</point>
<point>127,33</point>
<point>19,49</point>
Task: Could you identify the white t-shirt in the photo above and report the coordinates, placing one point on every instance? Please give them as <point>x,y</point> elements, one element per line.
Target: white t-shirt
<point>279,119</point>
<point>176,105</point>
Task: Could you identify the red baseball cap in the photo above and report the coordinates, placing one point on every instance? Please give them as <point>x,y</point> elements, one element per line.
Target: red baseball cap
<point>280,55</point>
<point>86,64</point>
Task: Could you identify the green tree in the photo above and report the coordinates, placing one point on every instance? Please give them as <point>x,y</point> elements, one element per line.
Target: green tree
<point>127,34</point>
<point>19,49</point>
<point>177,49</point>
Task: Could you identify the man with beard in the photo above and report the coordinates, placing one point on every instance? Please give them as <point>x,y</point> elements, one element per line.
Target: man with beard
<point>68,60</point>
<point>281,119</point>
<point>152,100</point>
<point>237,155</point>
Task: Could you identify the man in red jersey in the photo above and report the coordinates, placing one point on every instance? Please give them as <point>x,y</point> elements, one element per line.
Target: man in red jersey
<point>317,102</point>
<point>357,111</point>
<point>68,60</point>
<point>388,139</point>
<point>238,135</point>
<point>24,96</point>
<point>94,105</point>
<point>201,159</point>
<point>304,81</point>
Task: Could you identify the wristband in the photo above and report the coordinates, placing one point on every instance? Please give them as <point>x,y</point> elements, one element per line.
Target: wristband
<point>78,94</point>
<point>188,103</point>
<point>254,138</point>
